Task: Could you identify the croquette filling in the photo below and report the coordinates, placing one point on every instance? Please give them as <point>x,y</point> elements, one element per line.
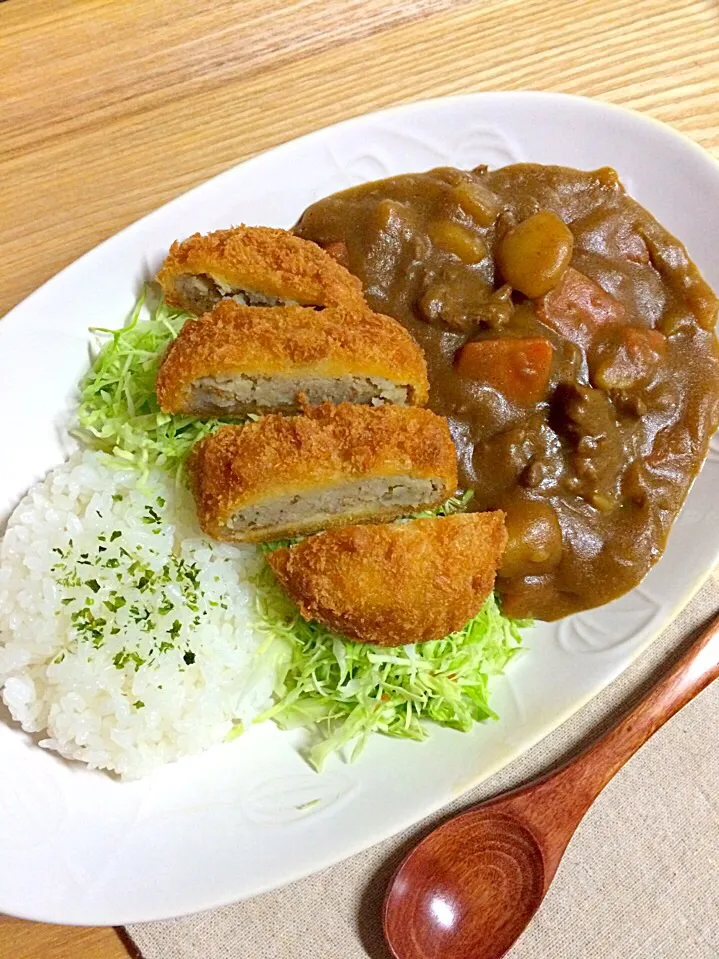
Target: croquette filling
<point>236,394</point>
<point>371,497</point>
<point>201,292</point>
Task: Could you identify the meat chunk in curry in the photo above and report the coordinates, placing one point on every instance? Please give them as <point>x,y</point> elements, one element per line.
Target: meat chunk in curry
<point>570,343</point>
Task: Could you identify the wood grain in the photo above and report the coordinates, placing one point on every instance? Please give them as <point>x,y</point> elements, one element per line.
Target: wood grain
<point>26,940</point>
<point>108,109</point>
<point>200,51</point>
<point>491,866</point>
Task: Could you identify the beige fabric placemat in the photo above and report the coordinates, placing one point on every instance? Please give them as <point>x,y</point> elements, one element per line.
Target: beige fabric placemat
<point>640,879</point>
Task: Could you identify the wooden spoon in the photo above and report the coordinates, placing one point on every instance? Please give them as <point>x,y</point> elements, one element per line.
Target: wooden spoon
<point>470,888</point>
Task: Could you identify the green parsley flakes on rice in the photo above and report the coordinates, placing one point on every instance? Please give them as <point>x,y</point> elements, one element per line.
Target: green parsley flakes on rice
<point>124,633</point>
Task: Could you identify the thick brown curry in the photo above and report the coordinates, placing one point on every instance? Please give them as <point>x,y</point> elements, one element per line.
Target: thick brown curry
<point>570,341</point>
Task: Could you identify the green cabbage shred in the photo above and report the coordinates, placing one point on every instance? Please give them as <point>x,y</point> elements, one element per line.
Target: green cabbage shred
<point>118,411</point>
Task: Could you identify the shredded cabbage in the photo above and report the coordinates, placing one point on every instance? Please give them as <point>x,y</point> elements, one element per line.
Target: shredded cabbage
<point>345,691</point>
<point>118,410</point>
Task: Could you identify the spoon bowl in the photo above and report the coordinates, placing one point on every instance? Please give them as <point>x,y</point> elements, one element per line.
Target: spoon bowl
<point>470,888</point>
<point>484,880</point>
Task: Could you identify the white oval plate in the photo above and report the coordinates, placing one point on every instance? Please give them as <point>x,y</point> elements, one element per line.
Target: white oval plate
<point>78,847</point>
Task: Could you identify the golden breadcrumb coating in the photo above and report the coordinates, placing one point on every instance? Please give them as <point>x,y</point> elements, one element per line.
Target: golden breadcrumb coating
<point>390,585</point>
<point>271,262</point>
<point>290,340</point>
<point>324,449</point>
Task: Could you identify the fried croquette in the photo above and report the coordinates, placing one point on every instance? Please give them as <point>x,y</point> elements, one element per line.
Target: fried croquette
<point>240,359</point>
<point>287,475</point>
<point>390,585</point>
<point>256,266</point>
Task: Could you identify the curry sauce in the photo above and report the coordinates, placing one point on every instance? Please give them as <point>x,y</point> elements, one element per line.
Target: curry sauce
<point>569,340</point>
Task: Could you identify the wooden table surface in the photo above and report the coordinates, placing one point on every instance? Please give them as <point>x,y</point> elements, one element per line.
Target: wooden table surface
<point>108,108</point>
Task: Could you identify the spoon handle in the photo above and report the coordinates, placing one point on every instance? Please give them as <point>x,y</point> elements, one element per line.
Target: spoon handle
<point>556,803</point>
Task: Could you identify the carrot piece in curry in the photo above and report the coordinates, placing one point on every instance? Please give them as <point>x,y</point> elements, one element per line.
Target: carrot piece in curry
<point>517,368</point>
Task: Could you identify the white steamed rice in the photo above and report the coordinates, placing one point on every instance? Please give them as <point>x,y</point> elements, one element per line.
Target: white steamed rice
<point>125,635</point>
